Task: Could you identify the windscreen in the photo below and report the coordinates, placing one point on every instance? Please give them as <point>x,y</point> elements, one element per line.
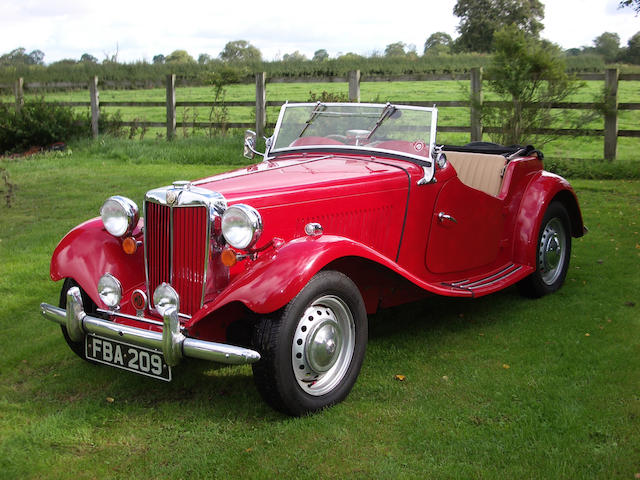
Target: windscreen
<point>391,128</point>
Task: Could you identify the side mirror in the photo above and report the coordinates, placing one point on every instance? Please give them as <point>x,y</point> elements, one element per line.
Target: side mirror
<point>249,144</point>
<point>440,159</point>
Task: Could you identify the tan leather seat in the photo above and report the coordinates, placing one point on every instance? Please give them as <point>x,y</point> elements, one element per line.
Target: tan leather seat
<point>478,170</point>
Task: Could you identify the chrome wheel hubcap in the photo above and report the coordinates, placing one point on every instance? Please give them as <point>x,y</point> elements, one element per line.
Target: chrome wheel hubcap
<point>323,345</point>
<point>552,251</point>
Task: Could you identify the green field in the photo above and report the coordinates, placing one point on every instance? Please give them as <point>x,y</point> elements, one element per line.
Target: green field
<point>498,387</point>
<point>431,91</point>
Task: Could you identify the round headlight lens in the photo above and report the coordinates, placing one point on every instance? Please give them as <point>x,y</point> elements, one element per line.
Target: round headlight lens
<point>110,290</point>
<point>119,215</point>
<point>241,226</point>
<point>164,297</point>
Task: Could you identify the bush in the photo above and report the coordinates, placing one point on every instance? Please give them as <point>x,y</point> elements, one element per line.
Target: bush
<point>594,169</point>
<point>39,124</point>
<point>529,76</point>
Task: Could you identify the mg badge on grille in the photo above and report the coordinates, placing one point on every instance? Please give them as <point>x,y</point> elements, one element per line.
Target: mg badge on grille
<point>172,197</point>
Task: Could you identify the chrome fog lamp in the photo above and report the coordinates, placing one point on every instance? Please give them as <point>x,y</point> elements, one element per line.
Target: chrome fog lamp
<point>119,215</point>
<point>165,297</point>
<point>241,226</point>
<point>110,291</point>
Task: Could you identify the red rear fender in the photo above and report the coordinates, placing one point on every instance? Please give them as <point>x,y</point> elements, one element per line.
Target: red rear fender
<point>541,191</point>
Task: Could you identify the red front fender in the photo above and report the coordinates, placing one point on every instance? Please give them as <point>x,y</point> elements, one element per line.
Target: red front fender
<point>88,251</point>
<point>541,191</point>
<point>277,276</point>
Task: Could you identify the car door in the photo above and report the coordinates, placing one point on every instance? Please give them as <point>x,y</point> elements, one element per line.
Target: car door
<point>466,229</point>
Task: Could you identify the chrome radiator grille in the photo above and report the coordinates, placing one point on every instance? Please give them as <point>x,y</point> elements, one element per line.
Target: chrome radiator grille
<point>177,249</point>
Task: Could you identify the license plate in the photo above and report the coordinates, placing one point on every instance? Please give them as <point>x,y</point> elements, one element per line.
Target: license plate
<point>127,357</point>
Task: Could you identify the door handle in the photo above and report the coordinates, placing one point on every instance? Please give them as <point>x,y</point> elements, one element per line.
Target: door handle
<point>443,216</point>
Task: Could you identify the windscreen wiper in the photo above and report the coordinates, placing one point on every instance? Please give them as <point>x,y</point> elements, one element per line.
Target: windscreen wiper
<point>386,113</point>
<point>316,111</point>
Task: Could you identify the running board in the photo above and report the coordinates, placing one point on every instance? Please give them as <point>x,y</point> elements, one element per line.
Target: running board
<point>494,281</point>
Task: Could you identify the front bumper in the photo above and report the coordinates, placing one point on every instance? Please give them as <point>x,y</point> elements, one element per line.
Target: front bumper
<point>171,342</point>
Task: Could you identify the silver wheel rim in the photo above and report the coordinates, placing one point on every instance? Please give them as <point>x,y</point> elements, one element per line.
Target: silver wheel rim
<point>323,345</point>
<point>552,251</point>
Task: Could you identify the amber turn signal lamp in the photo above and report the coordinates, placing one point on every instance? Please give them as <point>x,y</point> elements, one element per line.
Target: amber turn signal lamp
<point>228,257</point>
<point>129,245</point>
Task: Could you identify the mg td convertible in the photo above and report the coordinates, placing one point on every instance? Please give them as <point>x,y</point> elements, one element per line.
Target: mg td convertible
<point>355,207</point>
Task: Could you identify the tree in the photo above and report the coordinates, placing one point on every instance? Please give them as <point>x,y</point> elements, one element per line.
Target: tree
<point>412,53</point>
<point>320,55</point>
<point>179,56</point>
<point>607,45</point>
<point>479,19</point>
<point>438,43</point>
<point>204,58</point>
<point>633,49</point>
<point>294,57</point>
<point>87,58</point>
<point>19,56</point>
<point>395,50</point>
<point>350,57</point>
<point>36,57</point>
<point>524,71</point>
<point>159,59</point>
<point>64,61</point>
<point>240,51</point>
<point>635,4</point>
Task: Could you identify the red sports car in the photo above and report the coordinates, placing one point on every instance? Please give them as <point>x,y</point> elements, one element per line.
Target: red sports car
<point>355,207</point>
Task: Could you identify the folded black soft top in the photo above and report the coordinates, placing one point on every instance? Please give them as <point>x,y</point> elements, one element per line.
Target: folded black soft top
<point>495,149</point>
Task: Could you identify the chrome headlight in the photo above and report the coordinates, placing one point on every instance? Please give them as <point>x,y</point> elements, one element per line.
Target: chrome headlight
<point>110,291</point>
<point>119,215</point>
<point>241,226</point>
<point>165,297</point>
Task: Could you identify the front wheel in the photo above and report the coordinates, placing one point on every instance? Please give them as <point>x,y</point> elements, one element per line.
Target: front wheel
<point>552,253</point>
<point>313,348</point>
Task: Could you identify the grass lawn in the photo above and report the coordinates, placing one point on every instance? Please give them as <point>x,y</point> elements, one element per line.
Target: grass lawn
<point>497,387</point>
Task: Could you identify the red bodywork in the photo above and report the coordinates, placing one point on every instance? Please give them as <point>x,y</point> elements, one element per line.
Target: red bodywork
<point>380,227</point>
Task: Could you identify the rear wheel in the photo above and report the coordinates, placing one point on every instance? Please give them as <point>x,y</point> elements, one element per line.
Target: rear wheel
<point>313,348</point>
<point>552,254</point>
<point>89,307</point>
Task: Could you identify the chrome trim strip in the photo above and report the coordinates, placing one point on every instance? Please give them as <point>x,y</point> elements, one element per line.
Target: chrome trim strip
<point>496,276</point>
<point>353,150</point>
<point>468,282</point>
<point>429,174</point>
<point>484,282</point>
<point>171,342</point>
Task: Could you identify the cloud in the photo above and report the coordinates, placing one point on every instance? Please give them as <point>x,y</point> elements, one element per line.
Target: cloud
<point>142,28</point>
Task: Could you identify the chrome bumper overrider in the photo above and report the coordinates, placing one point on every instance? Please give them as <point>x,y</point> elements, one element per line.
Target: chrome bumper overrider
<point>171,342</point>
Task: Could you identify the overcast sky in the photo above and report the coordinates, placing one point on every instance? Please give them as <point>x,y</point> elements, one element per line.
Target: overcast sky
<point>140,29</point>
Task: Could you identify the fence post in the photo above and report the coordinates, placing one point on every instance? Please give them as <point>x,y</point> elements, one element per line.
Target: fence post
<point>95,106</point>
<point>611,114</point>
<point>476,104</point>
<point>171,106</point>
<point>354,86</point>
<point>261,104</point>
<point>19,93</point>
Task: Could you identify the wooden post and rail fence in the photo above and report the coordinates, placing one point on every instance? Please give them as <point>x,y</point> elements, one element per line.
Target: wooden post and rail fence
<point>611,79</point>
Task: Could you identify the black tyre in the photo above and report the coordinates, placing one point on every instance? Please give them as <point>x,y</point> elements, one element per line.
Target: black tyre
<point>313,348</point>
<point>553,252</point>
<point>89,307</point>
